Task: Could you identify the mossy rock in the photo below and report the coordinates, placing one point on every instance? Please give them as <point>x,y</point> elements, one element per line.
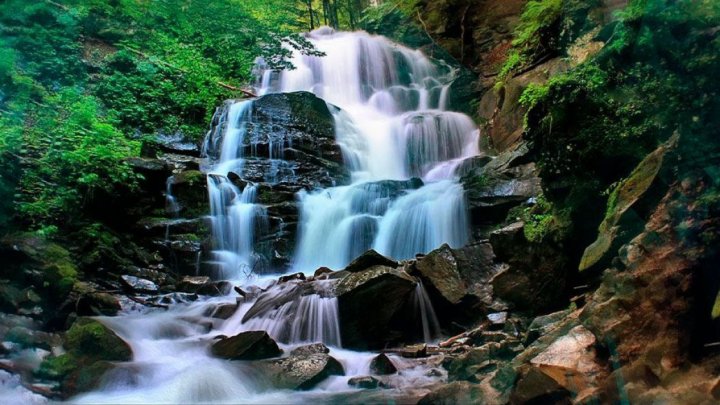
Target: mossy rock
<point>91,339</point>
<point>620,221</point>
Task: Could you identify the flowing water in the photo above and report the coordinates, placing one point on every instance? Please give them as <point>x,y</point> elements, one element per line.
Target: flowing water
<point>401,147</point>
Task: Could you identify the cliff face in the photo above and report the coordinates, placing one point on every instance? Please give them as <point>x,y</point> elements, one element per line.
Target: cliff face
<point>601,108</point>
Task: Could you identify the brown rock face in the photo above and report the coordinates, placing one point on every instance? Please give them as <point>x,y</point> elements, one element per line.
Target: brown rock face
<point>440,268</point>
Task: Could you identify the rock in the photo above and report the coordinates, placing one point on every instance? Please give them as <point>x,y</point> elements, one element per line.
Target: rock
<point>439,268</point>
<point>369,303</point>
<point>300,127</point>
<point>177,143</point>
<point>300,371</point>
<point>290,277</point>
<point>479,360</point>
<point>315,348</point>
<point>252,345</point>
<point>621,223</point>
<point>382,365</point>
<point>536,387</point>
<point>504,111</point>
<point>224,311</point>
<point>190,191</point>
<point>457,392</point>
<point>369,259</point>
<point>414,351</point>
<point>532,276</point>
<point>365,382</point>
<point>497,318</point>
<point>321,271</point>
<point>542,325</point>
<point>571,360</point>
<point>204,286</point>
<point>97,303</point>
<point>139,285</point>
<point>91,339</point>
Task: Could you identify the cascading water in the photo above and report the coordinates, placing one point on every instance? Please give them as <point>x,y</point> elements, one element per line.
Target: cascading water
<point>233,212</point>
<point>393,126</point>
<point>401,147</point>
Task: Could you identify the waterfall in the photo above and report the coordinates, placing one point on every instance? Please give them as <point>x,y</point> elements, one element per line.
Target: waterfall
<point>428,319</point>
<point>392,126</point>
<point>397,140</point>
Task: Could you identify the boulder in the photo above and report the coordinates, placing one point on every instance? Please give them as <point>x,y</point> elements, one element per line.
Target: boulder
<point>369,303</point>
<point>90,339</point>
<point>315,348</point>
<point>571,360</point>
<point>457,392</point>
<point>414,351</point>
<point>300,371</point>
<point>252,345</point>
<point>369,259</point>
<point>365,382</point>
<point>382,365</point>
<point>139,285</point>
<point>439,268</point>
<point>224,311</point>
<point>532,276</point>
<point>625,216</point>
<point>204,286</point>
<point>536,387</point>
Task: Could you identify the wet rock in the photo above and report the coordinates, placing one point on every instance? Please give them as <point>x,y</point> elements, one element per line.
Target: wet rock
<point>252,345</point>
<point>536,387</point>
<point>139,285</point>
<point>290,277</point>
<point>224,311</point>
<point>497,319</point>
<point>369,302</point>
<point>97,303</point>
<point>315,348</point>
<point>382,365</point>
<point>204,286</point>
<point>177,143</point>
<point>369,259</point>
<point>300,372</point>
<point>91,339</point>
<point>322,271</point>
<point>458,392</point>
<point>439,268</point>
<point>414,351</point>
<point>190,191</point>
<point>365,382</point>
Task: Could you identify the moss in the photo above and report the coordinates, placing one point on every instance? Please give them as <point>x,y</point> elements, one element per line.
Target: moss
<point>90,338</point>
<point>57,367</point>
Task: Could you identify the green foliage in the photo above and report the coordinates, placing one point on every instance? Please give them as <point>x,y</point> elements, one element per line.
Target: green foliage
<point>82,81</point>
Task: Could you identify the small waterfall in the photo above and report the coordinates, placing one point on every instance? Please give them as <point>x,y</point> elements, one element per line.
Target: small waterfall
<point>236,219</point>
<point>428,319</point>
<point>291,317</point>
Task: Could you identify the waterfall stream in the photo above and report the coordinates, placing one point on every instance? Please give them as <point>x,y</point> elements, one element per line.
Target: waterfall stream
<point>392,126</point>
<point>400,146</point>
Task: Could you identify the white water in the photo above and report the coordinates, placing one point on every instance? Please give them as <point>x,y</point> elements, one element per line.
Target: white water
<point>392,127</point>
<point>171,362</point>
